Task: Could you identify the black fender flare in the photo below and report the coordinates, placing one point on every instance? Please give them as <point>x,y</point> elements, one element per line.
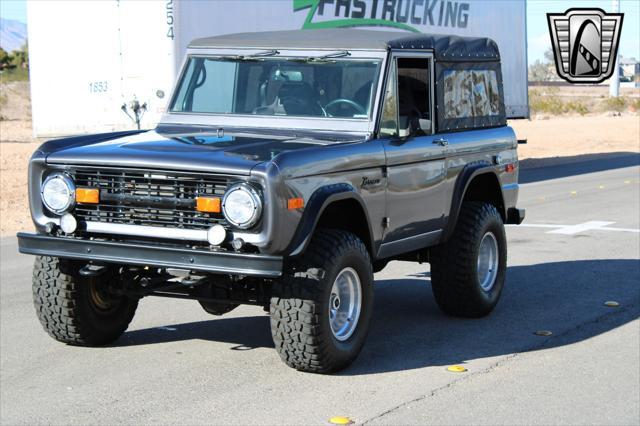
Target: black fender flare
<point>469,172</point>
<point>315,207</point>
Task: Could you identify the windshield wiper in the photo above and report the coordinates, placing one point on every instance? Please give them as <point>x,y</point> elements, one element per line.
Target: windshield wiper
<point>254,56</point>
<point>263,54</point>
<point>340,54</point>
<point>324,58</point>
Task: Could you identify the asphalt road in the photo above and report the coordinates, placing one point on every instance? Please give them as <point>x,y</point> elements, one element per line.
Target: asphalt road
<point>177,364</point>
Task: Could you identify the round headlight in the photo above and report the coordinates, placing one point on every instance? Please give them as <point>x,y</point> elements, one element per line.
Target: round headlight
<point>58,193</point>
<point>241,206</point>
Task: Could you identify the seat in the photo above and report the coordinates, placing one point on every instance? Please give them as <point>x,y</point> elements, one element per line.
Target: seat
<point>299,98</point>
<point>363,95</point>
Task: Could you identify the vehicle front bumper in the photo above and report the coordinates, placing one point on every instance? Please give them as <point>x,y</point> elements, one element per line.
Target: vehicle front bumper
<point>123,253</point>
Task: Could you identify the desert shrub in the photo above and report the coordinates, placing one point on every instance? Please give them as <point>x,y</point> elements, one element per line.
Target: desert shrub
<point>617,104</point>
<point>634,104</point>
<point>14,74</point>
<point>547,103</point>
<point>576,106</point>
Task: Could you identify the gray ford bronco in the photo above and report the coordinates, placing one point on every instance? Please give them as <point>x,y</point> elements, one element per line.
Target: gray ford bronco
<point>289,167</point>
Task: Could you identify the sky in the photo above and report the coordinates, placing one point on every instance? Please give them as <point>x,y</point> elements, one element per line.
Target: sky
<point>15,10</point>
<point>537,30</point>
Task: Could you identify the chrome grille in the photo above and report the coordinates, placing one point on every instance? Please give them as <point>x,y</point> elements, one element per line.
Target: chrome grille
<point>151,198</point>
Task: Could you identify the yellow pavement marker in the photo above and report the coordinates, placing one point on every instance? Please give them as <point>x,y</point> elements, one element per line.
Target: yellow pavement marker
<point>601,187</point>
<point>611,304</point>
<point>574,193</point>
<point>340,420</point>
<point>456,369</point>
<point>543,333</point>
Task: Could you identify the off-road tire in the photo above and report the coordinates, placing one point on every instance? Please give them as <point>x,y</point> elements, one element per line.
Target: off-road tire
<point>64,307</point>
<point>454,278</point>
<point>299,305</point>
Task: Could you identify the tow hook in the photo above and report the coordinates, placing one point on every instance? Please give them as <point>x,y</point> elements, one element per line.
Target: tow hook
<point>91,270</point>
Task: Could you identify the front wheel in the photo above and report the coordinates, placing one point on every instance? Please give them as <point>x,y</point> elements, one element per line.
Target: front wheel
<point>321,309</point>
<point>78,310</point>
<point>468,271</point>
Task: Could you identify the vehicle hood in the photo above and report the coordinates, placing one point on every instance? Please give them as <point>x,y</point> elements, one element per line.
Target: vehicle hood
<point>191,151</point>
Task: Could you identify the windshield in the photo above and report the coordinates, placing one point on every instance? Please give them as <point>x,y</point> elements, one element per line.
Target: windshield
<point>328,86</point>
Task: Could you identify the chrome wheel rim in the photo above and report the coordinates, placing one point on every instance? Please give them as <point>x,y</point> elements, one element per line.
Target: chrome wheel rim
<point>488,261</point>
<point>345,304</point>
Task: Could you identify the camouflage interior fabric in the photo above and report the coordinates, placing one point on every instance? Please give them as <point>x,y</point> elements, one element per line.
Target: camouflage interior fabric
<point>471,93</point>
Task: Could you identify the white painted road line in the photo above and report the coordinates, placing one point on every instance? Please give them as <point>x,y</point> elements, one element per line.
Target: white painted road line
<point>537,225</point>
<point>637,231</point>
<point>581,227</point>
<point>593,225</point>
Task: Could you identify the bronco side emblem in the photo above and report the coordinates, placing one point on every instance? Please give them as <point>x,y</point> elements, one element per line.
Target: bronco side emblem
<point>368,182</point>
<point>585,43</point>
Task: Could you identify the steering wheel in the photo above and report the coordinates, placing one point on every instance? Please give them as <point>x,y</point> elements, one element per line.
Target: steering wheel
<point>357,107</point>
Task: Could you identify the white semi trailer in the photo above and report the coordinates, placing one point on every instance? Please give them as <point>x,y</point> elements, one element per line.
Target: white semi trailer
<point>87,59</point>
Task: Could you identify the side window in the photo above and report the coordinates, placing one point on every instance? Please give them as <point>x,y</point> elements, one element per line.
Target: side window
<point>457,94</point>
<point>471,94</point>
<point>407,101</point>
<point>485,90</point>
<point>414,98</point>
<point>389,116</point>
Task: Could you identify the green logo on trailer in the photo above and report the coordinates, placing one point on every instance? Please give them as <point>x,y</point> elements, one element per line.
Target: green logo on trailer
<point>401,14</point>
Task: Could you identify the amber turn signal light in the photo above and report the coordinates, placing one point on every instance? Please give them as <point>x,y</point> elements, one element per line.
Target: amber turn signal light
<point>295,203</point>
<point>208,204</point>
<point>88,195</point>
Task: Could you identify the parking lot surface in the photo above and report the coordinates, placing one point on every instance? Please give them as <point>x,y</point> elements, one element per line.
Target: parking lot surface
<point>578,248</point>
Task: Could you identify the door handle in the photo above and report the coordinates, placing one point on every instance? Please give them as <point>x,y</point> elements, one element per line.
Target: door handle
<point>441,141</point>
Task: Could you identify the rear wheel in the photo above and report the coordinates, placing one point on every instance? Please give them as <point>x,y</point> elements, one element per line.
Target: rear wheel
<point>78,310</point>
<point>321,309</point>
<point>468,271</point>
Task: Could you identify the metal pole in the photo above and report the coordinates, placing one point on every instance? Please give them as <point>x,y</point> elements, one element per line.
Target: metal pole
<point>614,82</point>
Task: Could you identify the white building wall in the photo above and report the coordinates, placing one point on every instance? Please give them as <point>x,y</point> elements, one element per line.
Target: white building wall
<point>87,58</point>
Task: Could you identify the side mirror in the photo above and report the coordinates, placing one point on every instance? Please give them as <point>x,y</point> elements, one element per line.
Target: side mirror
<point>420,126</point>
<point>424,125</point>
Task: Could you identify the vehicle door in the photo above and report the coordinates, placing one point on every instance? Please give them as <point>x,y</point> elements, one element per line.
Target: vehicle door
<point>415,156</point>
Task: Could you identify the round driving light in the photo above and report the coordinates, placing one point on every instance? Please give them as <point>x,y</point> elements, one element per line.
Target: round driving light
<point>68,224</point>
<point>242,206</point>
<point>216,235</point>
<point>58,193</point>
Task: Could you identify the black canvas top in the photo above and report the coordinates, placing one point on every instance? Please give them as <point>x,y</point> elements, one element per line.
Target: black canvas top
<point>445,47</point>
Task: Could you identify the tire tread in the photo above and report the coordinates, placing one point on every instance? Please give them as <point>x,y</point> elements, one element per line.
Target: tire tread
<point>295,308</point>
<point>57,300</point>
<point>452,272</point>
